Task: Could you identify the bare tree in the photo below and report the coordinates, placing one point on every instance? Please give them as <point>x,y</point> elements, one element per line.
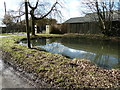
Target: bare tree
<point>8,20</point>
<point>104,11</point>
<point>37,12</point>
<point>33,16</point>
<point>41,14</point>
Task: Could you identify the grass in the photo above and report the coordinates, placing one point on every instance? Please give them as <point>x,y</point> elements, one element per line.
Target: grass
<point>87,36</point>
<point>12,33</point>
<point>56,70</point>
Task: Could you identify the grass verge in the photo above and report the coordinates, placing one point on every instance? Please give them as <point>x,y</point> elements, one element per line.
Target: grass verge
<point>85,36</point>
<point>12,33</point>
<point>56,70</point>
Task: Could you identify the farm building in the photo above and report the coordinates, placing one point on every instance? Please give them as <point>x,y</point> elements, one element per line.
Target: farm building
<point>87,24</point>
<point>82,25</point>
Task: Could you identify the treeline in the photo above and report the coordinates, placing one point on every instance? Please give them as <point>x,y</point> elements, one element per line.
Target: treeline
<point>14,28</point>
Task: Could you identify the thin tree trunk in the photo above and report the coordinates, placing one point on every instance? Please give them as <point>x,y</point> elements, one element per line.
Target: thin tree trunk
<point>33,21</point>
<point>33,26</point>
<point>27,23</point>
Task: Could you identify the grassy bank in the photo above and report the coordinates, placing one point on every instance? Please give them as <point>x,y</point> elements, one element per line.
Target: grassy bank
<point>12,33</point>
<point>85,36</point>
<point>56,70</point>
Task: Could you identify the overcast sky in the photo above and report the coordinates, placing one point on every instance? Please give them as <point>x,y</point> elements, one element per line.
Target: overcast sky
<point>72,8</point>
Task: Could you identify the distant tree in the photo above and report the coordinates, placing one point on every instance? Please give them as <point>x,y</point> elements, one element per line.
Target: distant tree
<point>45,21</point>
<point>105,12</point>
<point>12,24</point>
<point>8,20</point>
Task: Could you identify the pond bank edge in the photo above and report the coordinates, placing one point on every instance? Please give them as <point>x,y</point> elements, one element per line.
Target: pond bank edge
<point>6,54</point>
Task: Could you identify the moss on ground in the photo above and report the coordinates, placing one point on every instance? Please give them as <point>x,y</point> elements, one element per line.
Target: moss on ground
<point>57,70</point>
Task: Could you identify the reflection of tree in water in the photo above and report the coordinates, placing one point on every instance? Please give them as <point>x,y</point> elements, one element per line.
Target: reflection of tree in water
<point>106,61</point>
<point>103,53</point>
<point>118,65</point>
<point>38,42</point>
<point>101,60</point>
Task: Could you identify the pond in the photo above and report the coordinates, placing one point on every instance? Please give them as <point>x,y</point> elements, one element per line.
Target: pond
<point>104,53</point>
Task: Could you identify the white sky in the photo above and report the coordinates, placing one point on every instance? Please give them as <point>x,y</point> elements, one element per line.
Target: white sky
<point>71,8</point>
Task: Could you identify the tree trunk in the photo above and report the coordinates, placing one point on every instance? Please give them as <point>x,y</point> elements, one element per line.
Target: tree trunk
<point>33,26</point>
<point>33,22</point>
<point>27,24</point>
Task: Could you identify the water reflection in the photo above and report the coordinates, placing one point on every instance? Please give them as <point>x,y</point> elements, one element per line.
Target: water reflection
<point>103,53</point>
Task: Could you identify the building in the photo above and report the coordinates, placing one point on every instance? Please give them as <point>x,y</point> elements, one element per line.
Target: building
<point>82,25</point>
<point>87,24</point>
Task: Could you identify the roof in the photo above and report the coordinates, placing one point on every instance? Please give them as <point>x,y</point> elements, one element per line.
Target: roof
<point>90,17</point>
<point>80,20</point>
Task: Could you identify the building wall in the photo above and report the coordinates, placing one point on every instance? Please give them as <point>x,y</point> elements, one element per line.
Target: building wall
<point>83,28</point>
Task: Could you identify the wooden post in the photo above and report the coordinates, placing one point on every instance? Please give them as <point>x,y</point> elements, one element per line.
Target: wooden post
<point>27,23</point>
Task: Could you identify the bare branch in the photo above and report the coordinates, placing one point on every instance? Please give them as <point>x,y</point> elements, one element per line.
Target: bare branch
<point>32,6</point>
<point>48,12</point>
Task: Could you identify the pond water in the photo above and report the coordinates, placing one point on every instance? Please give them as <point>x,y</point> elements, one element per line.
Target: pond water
<point>102,52</point>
